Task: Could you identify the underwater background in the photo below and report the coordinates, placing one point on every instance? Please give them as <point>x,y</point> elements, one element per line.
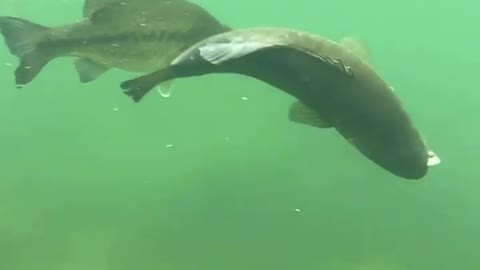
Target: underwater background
<point>216,177</point>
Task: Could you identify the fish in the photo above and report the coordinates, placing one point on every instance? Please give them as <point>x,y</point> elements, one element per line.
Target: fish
<point>137,36</point>
<point>332,84</point>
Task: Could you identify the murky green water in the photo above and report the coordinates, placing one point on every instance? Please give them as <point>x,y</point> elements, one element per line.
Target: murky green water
<point>217,178</point>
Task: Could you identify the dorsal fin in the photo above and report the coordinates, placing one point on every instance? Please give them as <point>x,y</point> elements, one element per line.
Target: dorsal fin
<point>90,6</point>
<point>356,46</point>
<point>104,14</point>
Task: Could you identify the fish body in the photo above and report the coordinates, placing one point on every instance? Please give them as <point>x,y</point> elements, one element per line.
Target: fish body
<point>132,35</point>
<point>334,87</point>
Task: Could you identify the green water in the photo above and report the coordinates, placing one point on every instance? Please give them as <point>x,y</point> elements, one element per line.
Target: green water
<point>216,177</point>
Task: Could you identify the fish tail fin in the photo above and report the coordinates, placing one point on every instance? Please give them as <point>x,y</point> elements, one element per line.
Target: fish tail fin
<point>21,39</point>
<point>137,88</point>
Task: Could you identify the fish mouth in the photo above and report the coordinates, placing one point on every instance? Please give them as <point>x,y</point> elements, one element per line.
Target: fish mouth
<point>433,159</point>
<point>414,169</point>
<point>410,165</point>
<point>403,162</point>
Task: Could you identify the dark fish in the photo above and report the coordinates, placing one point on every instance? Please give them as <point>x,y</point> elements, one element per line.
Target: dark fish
<point>334,87</point>
<point>132,35</point>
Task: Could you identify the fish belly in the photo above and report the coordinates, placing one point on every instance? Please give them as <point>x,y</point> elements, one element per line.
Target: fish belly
<point>135,57</point>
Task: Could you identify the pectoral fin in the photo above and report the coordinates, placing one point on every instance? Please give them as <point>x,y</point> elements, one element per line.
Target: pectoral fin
<point>89,70</point>
<point>302,114</point>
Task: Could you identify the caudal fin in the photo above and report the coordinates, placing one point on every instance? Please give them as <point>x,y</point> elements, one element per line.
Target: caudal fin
<point>140,86</point>
<point>21,38</point>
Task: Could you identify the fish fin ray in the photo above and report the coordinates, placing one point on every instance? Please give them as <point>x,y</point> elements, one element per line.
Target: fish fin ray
<point>302,114</point>
<point>20,35</point>
<point>30,66</point>
<point>21,39</point>
<point>89,70</point>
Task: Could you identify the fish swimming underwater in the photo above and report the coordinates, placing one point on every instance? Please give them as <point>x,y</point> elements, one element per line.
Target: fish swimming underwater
<point>133,35</point>
<point>334,87</point>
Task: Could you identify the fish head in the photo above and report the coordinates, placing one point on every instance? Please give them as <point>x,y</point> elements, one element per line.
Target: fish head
<point>406,157</point>
<point>409,157</point>
<point>407,162</point>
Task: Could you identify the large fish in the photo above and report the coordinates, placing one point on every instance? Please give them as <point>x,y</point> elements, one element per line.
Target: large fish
<point>334,87</point>
<point>133,35</point>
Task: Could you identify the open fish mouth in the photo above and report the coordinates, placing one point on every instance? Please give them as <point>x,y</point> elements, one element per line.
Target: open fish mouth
<point>433,159</point>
